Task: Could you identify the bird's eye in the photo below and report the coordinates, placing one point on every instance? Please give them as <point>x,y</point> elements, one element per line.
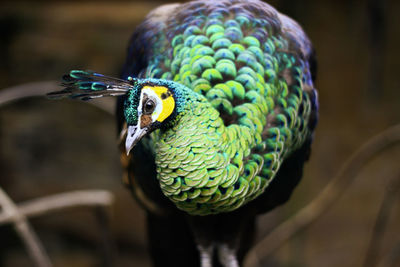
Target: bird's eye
<point>149,107</point>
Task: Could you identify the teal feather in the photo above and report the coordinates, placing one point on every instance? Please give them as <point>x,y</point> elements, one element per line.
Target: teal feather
<point>243,66</point>
<point>240,74</point>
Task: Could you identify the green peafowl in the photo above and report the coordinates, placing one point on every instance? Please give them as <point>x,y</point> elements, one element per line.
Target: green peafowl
<point>216,110</point>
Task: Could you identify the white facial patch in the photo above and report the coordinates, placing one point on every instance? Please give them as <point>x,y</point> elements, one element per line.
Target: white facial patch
<point>156,99</point>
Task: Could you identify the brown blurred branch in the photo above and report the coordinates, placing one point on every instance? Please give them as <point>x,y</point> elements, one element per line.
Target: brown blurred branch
<point>326,198</point>
<point>26,90</point>
<point>23,228</point>
<point>18,215</point>
<point>391,193</point>
<point>61,201</point>
<point>40,89</point>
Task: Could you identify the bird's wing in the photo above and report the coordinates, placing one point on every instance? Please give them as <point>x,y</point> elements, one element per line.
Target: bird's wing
<point>88,85</point>
<point>304,49</point>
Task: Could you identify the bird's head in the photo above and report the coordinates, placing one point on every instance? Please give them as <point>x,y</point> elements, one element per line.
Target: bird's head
<point>148,106</point>
<point>149,103</point>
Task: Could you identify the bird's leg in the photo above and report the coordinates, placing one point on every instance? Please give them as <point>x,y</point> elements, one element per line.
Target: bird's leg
<point>227,256</point>
<point>206,255</point>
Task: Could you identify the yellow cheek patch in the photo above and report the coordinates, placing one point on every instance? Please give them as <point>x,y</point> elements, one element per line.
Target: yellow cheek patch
<point>167,100</point>
<point>168,108</point>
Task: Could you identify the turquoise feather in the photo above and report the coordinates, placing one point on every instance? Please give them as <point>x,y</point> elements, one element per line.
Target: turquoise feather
<point>244,100</point>
<point>242,66</point>
<point>221,96</point>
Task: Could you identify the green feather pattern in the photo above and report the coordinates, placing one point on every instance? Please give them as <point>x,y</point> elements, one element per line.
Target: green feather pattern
<point>247,73</point>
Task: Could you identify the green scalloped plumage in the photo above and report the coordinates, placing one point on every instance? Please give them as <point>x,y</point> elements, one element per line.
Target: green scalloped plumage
<point>244,100</point>
<point>227,63</point>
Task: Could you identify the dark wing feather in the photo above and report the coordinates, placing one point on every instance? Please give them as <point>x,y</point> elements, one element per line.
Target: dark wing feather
<point>88,85</point>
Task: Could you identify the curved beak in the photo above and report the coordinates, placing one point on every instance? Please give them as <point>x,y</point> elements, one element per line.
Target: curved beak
<point>133,136</point>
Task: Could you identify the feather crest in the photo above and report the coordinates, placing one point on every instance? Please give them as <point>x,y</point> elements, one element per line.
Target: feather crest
<point>85,85</point>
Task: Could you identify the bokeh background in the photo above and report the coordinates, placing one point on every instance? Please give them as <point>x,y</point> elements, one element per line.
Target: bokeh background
<point>49,147</point>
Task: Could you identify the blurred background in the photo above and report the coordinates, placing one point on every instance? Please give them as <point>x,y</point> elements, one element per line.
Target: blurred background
<point>49,147</point>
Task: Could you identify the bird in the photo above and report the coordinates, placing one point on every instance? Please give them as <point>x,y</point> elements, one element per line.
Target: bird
<point>216,112</point>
